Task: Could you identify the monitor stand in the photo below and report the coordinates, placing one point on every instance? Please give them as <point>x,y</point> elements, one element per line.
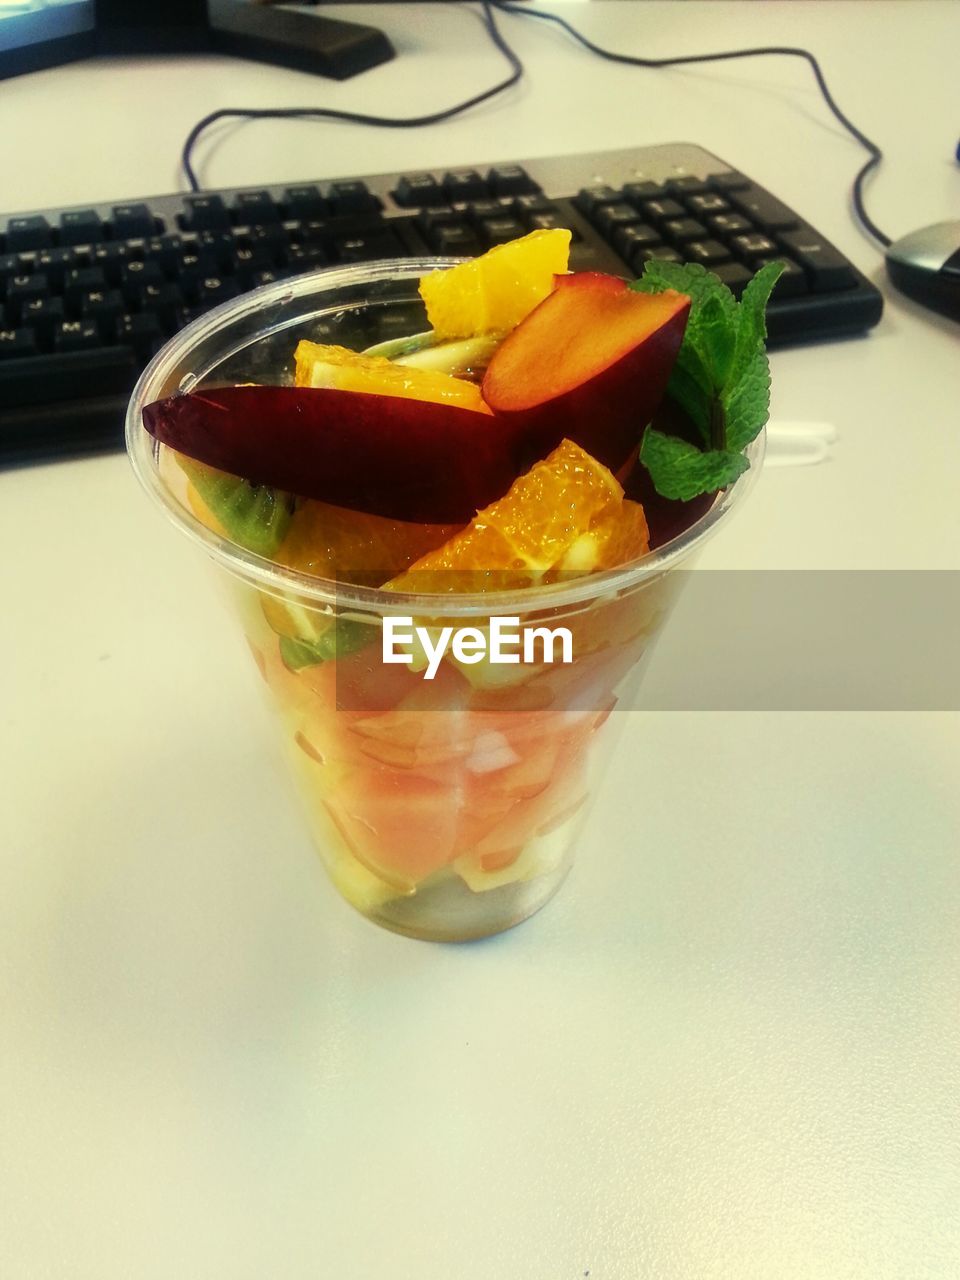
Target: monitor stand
<point>291,37</point>
<point>284,35</point>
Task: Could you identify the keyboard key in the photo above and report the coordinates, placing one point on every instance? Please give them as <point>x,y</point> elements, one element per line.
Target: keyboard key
<point>204,213</point>
<point>133,221</point>
<point>686,186</point>
<point>680,229</point>
<point>192,268</point>
<point>535,202</point>
<point>826,267</point>
<point>701,205</point>
<point>248,259</point>
<point>28,233</point>
<point>734,275</point>
<point>428,220</point>
<point>752,246</point>
<point>82,280</point>
<point>54,263</point>
<point>480,209</point>
<point>76,335</point>
<point>418,191</point>
<point>212,290</point>
<point>589,199</point>
<point>731,181</point>
<point>17,342</point>
<point>659,252</point>
<point>81,226</point>
<point>221,246</point>
<point>510,180</point>
<point>367,248</point>
<point>255,208</point>
<point>162,300</point>
<point>255,279</point>
<point>627,240</point>
<point>766,212</point>
<point>103,307</point>
<point>608,217</point>
<point>352,197</point>
<point>728,224</point>
<point>43,315</point>
<point>550,221</point>
<point>9,266</point>
<point>458,241</point>
<point>500,230</point>
<point>140,332</point>
<point>662,210</point>
<point>271,239</point>
<point>304,202</point>
<point>464,184</point>
<point>165,249</point>
<point>792,283</point>
<point>706,252</point>
<point>637,192</point>
<point>300,259</point>
<point>136,275</point>
<point>22,289</point>
<point>110,258</point>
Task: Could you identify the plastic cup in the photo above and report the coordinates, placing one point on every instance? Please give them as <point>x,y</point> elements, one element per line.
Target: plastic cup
<point>445,809</point>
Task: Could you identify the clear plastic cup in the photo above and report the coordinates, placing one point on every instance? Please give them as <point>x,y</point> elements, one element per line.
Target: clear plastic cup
<point>445,809</point>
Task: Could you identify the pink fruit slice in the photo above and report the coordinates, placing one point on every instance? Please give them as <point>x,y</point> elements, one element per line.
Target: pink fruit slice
<point>592,361</point>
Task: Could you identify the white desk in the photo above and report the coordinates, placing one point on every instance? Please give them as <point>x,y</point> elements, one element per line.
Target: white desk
<point>729,1048</point>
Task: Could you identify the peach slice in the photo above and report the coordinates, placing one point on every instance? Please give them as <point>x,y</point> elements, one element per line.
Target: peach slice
<point>591,363</point>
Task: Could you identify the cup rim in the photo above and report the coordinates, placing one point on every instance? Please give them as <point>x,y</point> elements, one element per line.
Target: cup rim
<point>266,574</point>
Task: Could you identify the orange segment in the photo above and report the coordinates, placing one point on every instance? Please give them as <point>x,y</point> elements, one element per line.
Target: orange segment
<point>566,513</point>
<point>349,546</point>
<point>318,365</point>
<point>334,542</point>
<point>493,293</point>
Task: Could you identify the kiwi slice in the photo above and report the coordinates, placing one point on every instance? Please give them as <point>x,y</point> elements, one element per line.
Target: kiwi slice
<point>343,638</point>
<point>255,516</point>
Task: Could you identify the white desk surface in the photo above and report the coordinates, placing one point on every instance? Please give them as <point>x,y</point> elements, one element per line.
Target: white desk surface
<point>729,1048</point>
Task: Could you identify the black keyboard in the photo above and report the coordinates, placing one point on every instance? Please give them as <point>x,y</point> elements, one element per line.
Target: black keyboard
<point>89,294</point>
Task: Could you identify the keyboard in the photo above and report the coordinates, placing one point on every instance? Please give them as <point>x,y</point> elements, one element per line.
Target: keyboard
<point>88,294</point>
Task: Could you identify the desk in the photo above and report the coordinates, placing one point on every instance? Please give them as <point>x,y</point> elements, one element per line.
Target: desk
<point>729,1048</point>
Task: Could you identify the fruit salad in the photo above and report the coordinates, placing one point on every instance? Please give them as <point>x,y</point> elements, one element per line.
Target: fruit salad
<point>511,462</point>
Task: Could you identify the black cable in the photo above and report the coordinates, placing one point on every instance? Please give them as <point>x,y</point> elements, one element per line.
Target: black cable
<point>876,155</point>
<point>355,117</point>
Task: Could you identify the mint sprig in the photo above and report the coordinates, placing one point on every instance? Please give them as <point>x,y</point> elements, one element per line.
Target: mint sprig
<point>721,379</point>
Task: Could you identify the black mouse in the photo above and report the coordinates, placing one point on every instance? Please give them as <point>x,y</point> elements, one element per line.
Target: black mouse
<point>925,265</point>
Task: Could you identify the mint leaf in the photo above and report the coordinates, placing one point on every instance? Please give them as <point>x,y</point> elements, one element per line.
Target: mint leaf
<point>721,379</point>
<point>681,470</point>
<point>690,278</point>
<point>746,403</point>
<point>690,387</point>
<point>343,638</point>
<point>715,338</point>
<point>751,318</point>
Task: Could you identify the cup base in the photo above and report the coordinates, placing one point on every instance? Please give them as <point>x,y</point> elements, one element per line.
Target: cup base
<point>452,912</point>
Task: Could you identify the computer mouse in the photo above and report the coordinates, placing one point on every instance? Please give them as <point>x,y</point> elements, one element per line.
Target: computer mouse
<point>925,265</point>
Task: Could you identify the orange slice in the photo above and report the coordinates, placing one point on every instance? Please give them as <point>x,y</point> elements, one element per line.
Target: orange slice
<point>493,293</point>
<point>318,365</point>
<point>347,546</point>
<point>333,542</point>
<point>567,513</point>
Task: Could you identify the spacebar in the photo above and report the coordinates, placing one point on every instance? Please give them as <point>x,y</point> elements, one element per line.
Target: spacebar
<point>67,375</point>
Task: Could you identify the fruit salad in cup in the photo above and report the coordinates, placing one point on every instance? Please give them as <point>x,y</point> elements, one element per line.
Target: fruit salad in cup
<point>522,466</point>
